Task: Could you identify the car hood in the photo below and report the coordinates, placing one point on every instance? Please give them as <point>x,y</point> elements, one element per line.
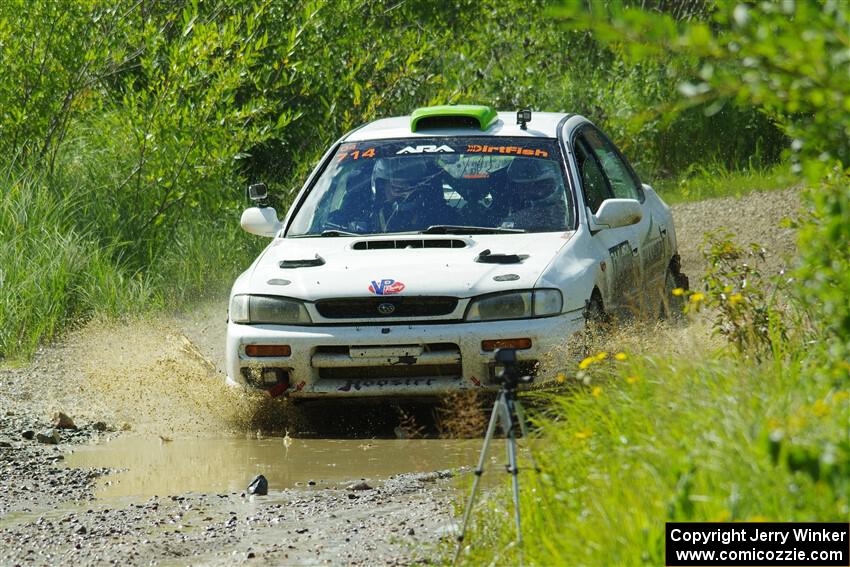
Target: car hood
<point>324,267</point>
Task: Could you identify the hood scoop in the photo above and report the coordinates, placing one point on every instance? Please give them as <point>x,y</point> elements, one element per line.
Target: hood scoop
<point>305,263</point>
<point>487,257</point>
<point>403,243</point>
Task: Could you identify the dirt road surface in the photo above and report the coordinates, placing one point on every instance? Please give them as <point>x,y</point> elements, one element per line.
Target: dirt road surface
<point>160,380</point>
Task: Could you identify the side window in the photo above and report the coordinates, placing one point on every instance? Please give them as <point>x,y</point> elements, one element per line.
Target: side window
<point>623,183</point>
<point>593,182</point>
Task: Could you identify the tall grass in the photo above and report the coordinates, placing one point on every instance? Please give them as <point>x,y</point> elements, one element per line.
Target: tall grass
<point>713,180</point>
<point>706,436</point>
<point>51,272</point>
<point>65,256</point>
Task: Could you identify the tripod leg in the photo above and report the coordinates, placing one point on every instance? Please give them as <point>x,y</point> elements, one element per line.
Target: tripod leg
<point>510,434</point>
<point>479,470</point>
<point>520,415</point>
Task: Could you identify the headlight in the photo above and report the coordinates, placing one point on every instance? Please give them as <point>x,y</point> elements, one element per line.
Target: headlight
<point>515,305</point>
<point>265,309</point>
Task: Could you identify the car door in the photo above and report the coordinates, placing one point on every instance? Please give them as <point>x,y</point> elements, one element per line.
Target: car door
<point>651,231</point>
<point>605,174</point>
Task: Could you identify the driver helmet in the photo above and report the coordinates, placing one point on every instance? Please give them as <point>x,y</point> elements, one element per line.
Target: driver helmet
<point>534,179</point>
<point>403,180</point>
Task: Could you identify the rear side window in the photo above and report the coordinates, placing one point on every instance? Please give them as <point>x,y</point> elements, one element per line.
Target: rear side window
<point>624,184</point>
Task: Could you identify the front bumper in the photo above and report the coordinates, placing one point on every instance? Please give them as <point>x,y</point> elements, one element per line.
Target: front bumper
<point>400,360</point>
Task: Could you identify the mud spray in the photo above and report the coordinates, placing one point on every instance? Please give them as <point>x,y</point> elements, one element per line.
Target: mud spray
<point>147,376</point>
<point>164,377</point>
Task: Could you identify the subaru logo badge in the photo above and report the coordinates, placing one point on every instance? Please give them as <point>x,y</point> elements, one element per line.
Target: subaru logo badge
<point>386,308</point>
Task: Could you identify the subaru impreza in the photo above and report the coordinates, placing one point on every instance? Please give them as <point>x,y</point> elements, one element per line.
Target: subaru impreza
<point>420,245</point>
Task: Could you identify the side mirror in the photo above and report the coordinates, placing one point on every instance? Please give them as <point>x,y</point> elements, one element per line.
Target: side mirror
<point>258,192</point>
<point>614,213</point>
<point>261,221</point>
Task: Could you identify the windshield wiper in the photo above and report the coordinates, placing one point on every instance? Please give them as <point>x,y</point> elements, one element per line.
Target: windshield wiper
<point>460,229</point>
<point>339,233</point>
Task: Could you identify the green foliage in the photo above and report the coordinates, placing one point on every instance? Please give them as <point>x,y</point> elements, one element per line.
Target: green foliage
<point>786,58</point>
<point>759,433</point>
<point>151,116</point>
<point>51,274</point>
<point>746,311</point>
<point>50,52</point>
<point>656,438</point>
<point>825,266</point>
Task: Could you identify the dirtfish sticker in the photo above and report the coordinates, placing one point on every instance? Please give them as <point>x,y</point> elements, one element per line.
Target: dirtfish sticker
<point>506,150</point>
<point>386,287</point>
<point>427,149</point>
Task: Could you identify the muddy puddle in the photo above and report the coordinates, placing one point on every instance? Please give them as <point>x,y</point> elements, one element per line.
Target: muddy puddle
<point>153,467</point>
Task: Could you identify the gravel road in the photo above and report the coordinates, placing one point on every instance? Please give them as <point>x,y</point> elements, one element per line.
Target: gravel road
<point>110,379</point>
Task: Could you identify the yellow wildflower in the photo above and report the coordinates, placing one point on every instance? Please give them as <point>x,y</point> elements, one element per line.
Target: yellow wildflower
<point>697,297</point>
<point>601,356</point>
<point>820,409</point>
<point>596,392</point>
<point>561,378</point>
<point>735,299</point>
<point>633,379</point>
<point>796,421</point>
<point>758,519</point>
<point>583,434</point>
<point>723,516</point>
<point>587,362</point>
<point>678,292</point>
<point>621,356</point>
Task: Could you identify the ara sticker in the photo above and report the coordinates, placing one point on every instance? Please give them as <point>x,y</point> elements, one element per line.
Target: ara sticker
<point>386,287</point>
<point>426,149</point>
<point>506,150</point>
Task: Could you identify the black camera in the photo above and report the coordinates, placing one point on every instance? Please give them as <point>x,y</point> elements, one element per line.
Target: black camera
<point>507,370</point>
<point>259,194</point>
<point>522,117</point>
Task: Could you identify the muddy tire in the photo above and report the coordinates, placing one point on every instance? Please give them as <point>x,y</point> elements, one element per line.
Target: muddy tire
<point>597,324</point>
<point>672,307</point>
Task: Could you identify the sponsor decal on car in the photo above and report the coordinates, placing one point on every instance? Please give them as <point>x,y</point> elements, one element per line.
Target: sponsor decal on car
<point>507,150</point>
<point>426,149</point>
<point>386,286</point>
<point>350,151</point>
<point>360,384</point>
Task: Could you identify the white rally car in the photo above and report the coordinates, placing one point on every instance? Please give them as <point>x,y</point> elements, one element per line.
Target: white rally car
<point>422,244</point>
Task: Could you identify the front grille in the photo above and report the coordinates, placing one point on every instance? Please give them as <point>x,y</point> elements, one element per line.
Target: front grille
<point>389,307</point>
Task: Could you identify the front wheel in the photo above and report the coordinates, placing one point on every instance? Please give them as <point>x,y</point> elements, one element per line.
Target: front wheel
<point>597,324</point>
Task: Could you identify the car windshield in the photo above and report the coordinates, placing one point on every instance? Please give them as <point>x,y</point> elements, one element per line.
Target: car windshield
<point>438,186</point>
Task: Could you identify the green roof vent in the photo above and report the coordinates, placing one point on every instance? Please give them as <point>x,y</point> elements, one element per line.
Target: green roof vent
<point>452,116</point>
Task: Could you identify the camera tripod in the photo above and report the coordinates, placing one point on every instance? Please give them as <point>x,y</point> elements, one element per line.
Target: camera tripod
<point>507,411</point>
